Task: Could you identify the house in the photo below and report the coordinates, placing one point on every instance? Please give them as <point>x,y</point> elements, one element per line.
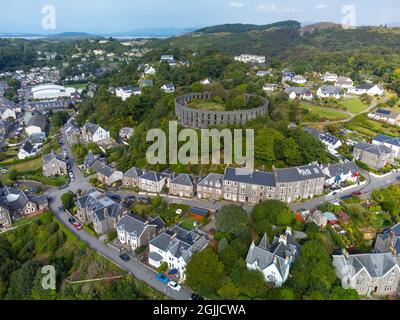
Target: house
<point>270,87</point>
<point>330,77</point>
<point>388,116</point>
<point>369,89</point>
<point>330,91</point>
<point>72,133</point>
<point>153,182</point>
<point>54,165</point>
<point>131,178</point>
<point>5,216</point>
<point>299,93</point>
<point>199,214</point>
<point>375,156</point>
<point>389,241</point>
<point>250,58</point>
<point>175,246</point>
<point>210,187</point>
<point>205,81</point>
<point>331,142</point>
<point>37,140</point>
<point>344,82</point>
<point>182,186</point>
<point>318,218</point>
<point>373,273</point>
<point>149,70</point>
<point>166,57</point>
<point>390,142</point>
<point>26,150</point>
<point>263,73</point>
<point>126,133</point>
<point>135,232</point>
<point>37,124</point>
<point>91,163</point>
<point>145,83</point>
<point>330,218</point>
<point>93,133</point>
<point>126,92</point>
<point>298,79</point>
<point>108,176</point>
<point>8,113</point>
<point>274,260</point>
<point>99,209</point>
<point>341,172</point>
<point>168,88</point>
<point>287,75</point>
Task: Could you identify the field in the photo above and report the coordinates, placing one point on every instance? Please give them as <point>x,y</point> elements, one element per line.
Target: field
<point>208,106</point>
<point>354,105</point>
<point>325,113</point>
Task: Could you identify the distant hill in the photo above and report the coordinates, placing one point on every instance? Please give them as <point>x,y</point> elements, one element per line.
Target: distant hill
<point>240,28</point>
<point>71,35</point>
<point>320,26</point>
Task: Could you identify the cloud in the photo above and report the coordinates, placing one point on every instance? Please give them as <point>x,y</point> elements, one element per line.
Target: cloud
<point>267,7</point>
<point>236,5</point>
<point>321,6</point>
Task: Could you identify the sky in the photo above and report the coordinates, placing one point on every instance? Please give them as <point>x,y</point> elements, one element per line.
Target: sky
<point>110,16</point>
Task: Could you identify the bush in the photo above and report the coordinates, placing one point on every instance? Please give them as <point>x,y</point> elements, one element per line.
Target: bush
<point>162,268</point>
<point>67,200</point>
<point>140,250</point>
<point>112,235</point>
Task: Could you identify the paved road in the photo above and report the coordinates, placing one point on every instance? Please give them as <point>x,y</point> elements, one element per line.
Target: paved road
<point>137,269</point>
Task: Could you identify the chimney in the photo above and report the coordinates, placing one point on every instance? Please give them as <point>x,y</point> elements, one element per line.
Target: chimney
<point>147,222</point>
<point>283,239</point>
<point>287,260</point>
<point>289,230</point>
<point>345,253</point>
<point>174,236</point>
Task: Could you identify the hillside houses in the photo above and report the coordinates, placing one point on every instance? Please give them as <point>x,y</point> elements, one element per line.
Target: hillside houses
<point>341,172</point>
<point>299,93</point>
<point>330,77</point>
<point>390,142</point>
<point>344,82</point>
<point>330,91</point>
<point>375,156</point>
<point>386,116</point>
<point>37,124</point>
<point>126,92</point>
<point>389,241</point>
<point>54,165</point>
<point>182,186</point>
<point>369,89</point>
<point>93,133</point>
<point>332,143</point>
<point>274,260</point>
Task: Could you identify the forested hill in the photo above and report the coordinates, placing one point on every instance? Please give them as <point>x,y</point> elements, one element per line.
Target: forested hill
<point>287,41</point>
<point>239,27</point>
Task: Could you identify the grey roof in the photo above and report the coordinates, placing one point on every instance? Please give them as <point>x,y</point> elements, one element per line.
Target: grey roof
<point>376,264</point>
<point>389,239</point>
<point>92,128</point>
<point>183,179</point>
<point>180,242</point>
<point>14,198</point>
<point>250,177</point>
<point>322,136</point>
<point>212,180</point>
<point>298,174</point>
<point>27,146</point>
<point>388,140</point>
<point>152,176</point>
<point>133,173</point>
<point>133,224</point>
<point>106,171</point>
<point>331,90</point>
<point>336,170</point>
<point>298,90</point>
<point>49,157</point>
<point>38,121</point>
<point>373,148</point>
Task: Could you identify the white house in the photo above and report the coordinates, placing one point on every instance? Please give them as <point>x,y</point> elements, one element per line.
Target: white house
<point>331,142</point>
<point>341,172</point>
<point>369,89</point>
<point>330,77</point>
<point>27,150</point>
<point>37,124</point>
<point>93,133</point>
<point>390,142</point>
<point>299,93</point>
<point>149,70</point>
<point>270,87</point>
<point>250,58</point>
<point>7,113</point>
<point>168,88</point>
<point>329,91</point>
<point>153,182</point>
<point>274,260</point>
<point>125,92</point>
<point>344,82</point>
<point>299,79</point>
<point>205,81</point>
<point>175,247</point>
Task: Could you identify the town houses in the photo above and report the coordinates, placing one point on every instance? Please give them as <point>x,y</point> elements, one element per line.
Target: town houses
<point>93,133</point>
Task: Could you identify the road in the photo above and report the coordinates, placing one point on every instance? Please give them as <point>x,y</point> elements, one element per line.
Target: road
<point>137,269</point>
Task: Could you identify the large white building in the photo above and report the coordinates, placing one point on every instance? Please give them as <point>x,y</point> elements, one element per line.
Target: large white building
<point>51,91</point>
<point>250,58</point>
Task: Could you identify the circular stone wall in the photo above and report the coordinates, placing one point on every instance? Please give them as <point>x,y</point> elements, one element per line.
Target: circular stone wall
<point>202,119</point>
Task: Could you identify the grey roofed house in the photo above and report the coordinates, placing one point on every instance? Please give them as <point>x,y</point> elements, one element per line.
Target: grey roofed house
<point>298,90</point>
<point>298,174</point>
<point>49,157</point>
<point>135,224</point>
<point>38,121</point>
<point>180,242</point>
<point>27,147</point>
<point>183,179</point>
<point>367,86</point>
<point>145,83</point>
<point>92,128</point>
<point>250,177</point>
<point>106,171</point>
<point>372,148</point>
<point>212,180</point>
<point>328,138</point>
<point>152,176</point>
<point>133,173</point>
<point>389,241</point>
<point>343,168</point>
<point>331,90</point>
<point>37,138</point>
<point>15,199</point>
<point>376,264</point>
<point>389,140</point>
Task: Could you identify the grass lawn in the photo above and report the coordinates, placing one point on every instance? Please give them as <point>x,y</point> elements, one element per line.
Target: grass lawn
<point>354,105</point>
<point>29,165</point>
<point>329,114</point>
<point>188,223</point>
<point>208,106</point>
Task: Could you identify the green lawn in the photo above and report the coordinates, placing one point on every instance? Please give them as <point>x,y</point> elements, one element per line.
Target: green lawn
<point>188,223</point>
<point>208,106</point>
<point>329,114</point>
<point>354,105</point>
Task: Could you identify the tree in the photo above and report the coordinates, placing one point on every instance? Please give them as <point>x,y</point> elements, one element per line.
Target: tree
<point>205,272</point>
<point>67,200</point>
<point>271,212</point>
<point>58,119</point>
<point>231,219</point>
<point>291,152</point>
<point>229,291</point>
<point>339,293</point>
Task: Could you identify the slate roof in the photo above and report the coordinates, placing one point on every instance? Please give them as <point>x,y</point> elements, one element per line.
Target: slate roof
<point>92,128</point>
<point>135,224</point>
<point>250,177</point>
<point>373,148</point>
<point>49,157</point>
<point>212,180</point>
<point>389,238</point>
<point>298,174</point>
<point>38,121</point>
<point>331,90</point>
<point>389,140</point>
<point>298,90</point>
<point>152,176</point>
<point>106,171</point>
<point>183,179</point>
<point>27,146</point>
<point>376,264</point>
<point>336,170</point>
<point>322,136</point>
<point>14,198</point>
<point>133,173</point>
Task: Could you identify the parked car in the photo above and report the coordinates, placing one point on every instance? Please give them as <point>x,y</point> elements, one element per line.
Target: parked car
<point>125,257</point>
<point>116,197</point>
<point>62,209</point>
<point>71,220</point>
<point>162,278</point>
<point>174,286</point>
<point>195,296</point>
<point>358,193</point>
<point>346,197</point>
<point>77,226</point>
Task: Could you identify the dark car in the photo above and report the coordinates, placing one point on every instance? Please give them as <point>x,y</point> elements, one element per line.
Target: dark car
<point>62,209</point>
<point>195,296</point>
<point>71,220</point>
<point>125,257</point>
<point>358,193</point>
<point>116,197</point>
<point>346,197</point>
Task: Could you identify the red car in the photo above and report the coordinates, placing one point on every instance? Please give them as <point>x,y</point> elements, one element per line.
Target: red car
<point>77,225</point>
<point>359,193</point>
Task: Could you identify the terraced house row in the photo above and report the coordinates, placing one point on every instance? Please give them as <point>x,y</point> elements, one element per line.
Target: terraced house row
<point>236,185</point>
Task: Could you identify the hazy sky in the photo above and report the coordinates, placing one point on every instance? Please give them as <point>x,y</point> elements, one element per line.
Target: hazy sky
<point>125,15</point>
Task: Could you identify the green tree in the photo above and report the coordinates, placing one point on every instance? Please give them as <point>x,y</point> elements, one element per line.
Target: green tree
<point>231,219</point>
<point>271,212</point>
<point>67,200</point>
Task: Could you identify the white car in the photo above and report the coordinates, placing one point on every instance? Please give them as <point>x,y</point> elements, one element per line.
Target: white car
<point>174,286</point>
<point>179,212</point>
